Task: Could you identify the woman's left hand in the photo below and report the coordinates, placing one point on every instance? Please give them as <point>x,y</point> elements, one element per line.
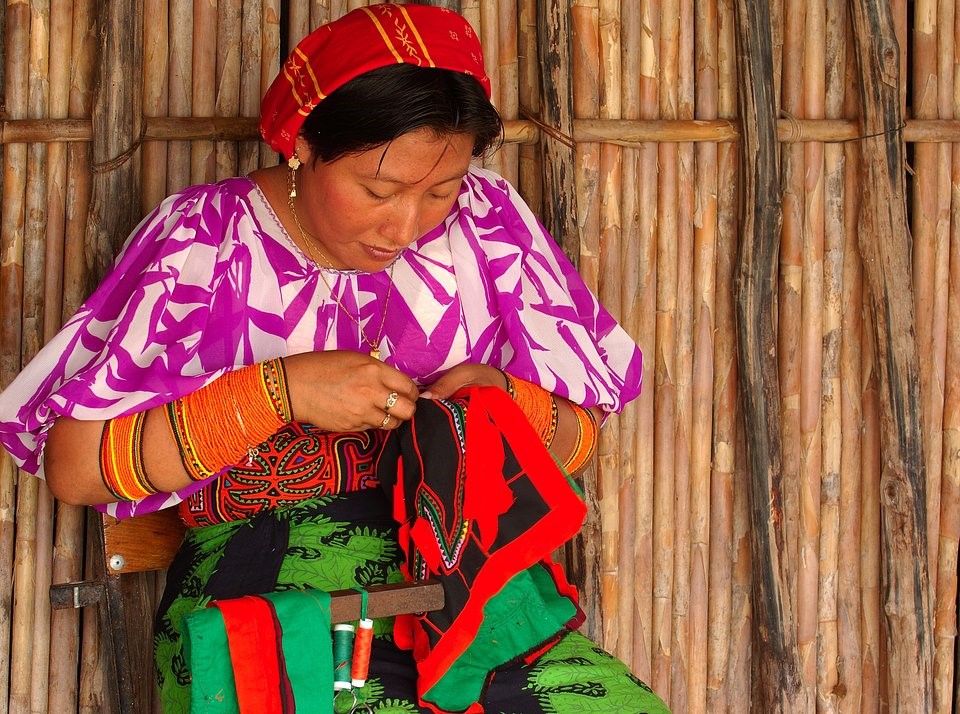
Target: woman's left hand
<point>464,375</point>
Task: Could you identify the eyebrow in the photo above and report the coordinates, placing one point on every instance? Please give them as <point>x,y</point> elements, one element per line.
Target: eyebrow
<point>387,179</point>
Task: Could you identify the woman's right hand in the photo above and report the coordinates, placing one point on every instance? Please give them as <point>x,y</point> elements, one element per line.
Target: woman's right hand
<point>347,391</point>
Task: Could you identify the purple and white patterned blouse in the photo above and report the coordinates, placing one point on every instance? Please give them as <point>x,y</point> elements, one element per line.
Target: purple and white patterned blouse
<point>210,281</point>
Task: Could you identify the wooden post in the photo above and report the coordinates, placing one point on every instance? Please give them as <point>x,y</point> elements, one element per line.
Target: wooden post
<point>117,124</point>
<point>884,239</point>
<point>776,660</point>
<point>117,132</point>
<point>559,215</point>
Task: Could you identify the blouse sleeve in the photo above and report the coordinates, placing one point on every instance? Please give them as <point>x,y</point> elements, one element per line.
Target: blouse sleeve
<point>539,320</point>
<point>167,318</point>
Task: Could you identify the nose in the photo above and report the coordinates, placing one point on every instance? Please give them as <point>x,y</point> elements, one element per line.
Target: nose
<point>403,225</point>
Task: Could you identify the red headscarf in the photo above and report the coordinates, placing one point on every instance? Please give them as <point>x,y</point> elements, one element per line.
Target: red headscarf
<point>360,41</point>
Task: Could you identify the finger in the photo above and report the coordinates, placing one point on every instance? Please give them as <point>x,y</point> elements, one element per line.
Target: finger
<point>441,389</point>
<point>405,388</point>
<point>403,410</point>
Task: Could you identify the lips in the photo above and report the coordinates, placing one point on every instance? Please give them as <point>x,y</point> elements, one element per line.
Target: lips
<point>381,254</point>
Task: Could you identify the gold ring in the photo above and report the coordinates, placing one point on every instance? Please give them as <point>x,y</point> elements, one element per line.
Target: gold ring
<point>391,400</point>
<point>386,420</point>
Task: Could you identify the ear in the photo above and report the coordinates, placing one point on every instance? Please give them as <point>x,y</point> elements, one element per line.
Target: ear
<point>302,148</point>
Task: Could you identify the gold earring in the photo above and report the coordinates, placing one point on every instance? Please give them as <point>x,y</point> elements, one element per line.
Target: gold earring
<point>293,163</point>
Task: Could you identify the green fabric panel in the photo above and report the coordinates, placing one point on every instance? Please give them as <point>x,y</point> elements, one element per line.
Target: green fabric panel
<point>307,647</point>
<point>213,689</point>
<point>525,613</point>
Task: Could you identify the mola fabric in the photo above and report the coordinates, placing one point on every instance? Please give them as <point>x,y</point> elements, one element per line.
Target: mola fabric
<point>467,495</point>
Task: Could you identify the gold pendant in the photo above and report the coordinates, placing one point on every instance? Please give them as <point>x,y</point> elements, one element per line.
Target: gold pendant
<point>375,353</point>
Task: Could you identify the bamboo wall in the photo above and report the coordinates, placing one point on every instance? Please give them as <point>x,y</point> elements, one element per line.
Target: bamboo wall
<point>626,139</point>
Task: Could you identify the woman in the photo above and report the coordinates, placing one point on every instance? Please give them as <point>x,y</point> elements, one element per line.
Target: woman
<point>265,350</point>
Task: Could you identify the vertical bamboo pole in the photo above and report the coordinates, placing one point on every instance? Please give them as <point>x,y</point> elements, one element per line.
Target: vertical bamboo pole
<point>790,330</point>
<point>870,547</point>
<point>929,226</point>
<point>63,656</point>
<point>946,566</point>
<point>529,161</point>
<point>635,551</point>
<point>945,625</point>
<point>945,602</point>
<point>705,223</point>
<point>616,477</point>
<point>470,9</point>
<point>832,210</point>
<point>665,376</point>
<point>93,700</point>
<point>229,44</point>
<point>743,682</point>
<point>721,580</point>
<point>508,72</point>
<point>180,89</point>
<point>156,69</point>
<point>298,22</point>
<point>488,29</point>
<point>48,231</point>
<point>841,170</point>
<point>585,99</point>
<point>12,220</point>
<point>681,68</point>
<point>811,357</point>
<point>203,86</point>
<point>251,51</point>
<point>23,642</point>
<point>849,619</point>
<point>77,283</point>
<point>338,8</point>
<point>319,13</point>
<point>644,34</point>
<point>269,62</point>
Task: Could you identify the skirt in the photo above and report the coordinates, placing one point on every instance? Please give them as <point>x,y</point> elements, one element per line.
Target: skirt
<point>349,540</point>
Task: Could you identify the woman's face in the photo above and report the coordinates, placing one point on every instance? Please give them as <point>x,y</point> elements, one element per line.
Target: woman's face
<point>364,209</point>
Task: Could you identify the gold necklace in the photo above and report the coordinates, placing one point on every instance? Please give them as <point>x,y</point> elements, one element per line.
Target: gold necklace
<point>308,241</point>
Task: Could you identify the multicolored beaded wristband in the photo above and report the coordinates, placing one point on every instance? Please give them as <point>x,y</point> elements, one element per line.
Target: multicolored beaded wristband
<point>121,458</point>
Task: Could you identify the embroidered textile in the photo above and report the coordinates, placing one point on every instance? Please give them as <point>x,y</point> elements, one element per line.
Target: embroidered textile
<point>299,461</point>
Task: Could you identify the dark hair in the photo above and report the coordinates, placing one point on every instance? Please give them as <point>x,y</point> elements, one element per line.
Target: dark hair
<point>380,105</point>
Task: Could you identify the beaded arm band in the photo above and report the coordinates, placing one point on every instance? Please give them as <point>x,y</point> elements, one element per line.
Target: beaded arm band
<point>587,432</point>
<point>121,458</point>
<point>541,410</point>
<point>538,405</point>
<point>220,422</point>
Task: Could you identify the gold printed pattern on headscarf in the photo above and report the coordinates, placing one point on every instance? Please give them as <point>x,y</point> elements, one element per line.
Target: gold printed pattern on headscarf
<point>401,39</point>
<point>299,74</point>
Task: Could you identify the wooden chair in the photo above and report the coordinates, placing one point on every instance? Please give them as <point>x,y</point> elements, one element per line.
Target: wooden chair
<point>124,551</point>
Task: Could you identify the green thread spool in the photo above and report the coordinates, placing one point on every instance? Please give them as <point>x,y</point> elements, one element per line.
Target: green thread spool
<point>342,656</point>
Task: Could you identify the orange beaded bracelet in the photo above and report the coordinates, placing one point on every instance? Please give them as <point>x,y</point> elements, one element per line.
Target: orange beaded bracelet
<point>537,404</point>
<point>215,425</point>
<point>587,433</point>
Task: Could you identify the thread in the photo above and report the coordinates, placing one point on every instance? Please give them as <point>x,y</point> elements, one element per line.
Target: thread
<point>361,653</point>
<point>342,656</point>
